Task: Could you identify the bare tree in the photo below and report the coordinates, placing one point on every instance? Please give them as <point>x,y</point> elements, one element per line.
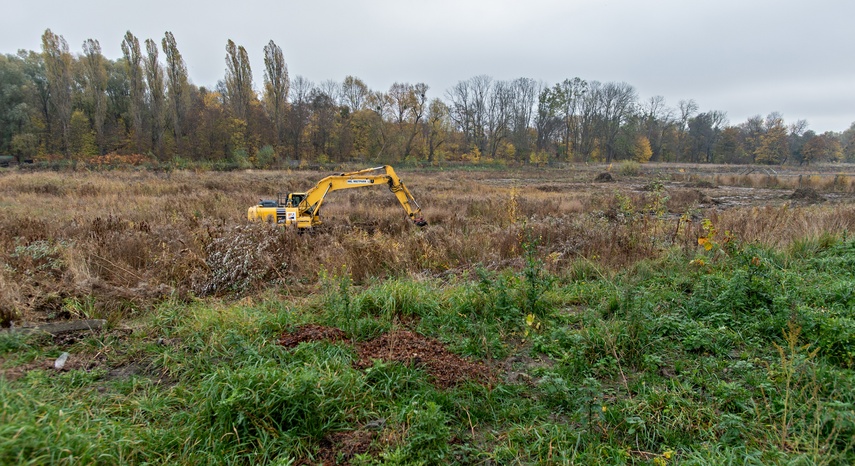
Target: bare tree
<point>499,106</point>
<point>617,101</point>
<point>382,105</point>
<point>546,121</point>
<point>656,118</point>
<point>400,99</point>
<point>568,96</point>
<point>469,109</point>
<point>461,110</point>
<point>301,90</point>
<point>408,104</point>
<point>688,109</point>
<point>525,92</point>
<point>331,89</point>
<point>323,112</point>
<point>416,111</point>
<point>354,93</point>
<point>589,116</point>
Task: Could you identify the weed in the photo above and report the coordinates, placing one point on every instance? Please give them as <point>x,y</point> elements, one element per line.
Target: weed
<point>805,418</point>
<point>427,434</point>
<point>536,283</point>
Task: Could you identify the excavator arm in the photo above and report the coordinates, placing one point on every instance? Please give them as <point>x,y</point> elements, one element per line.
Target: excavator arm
<point>303,208</point>
<point>311,204</point>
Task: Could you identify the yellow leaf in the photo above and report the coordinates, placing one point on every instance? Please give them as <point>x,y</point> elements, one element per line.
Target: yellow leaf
<point>529,319</point>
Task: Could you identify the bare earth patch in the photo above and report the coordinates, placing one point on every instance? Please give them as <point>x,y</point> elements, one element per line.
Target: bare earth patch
<point>806,195</point>
<point>446,369</point>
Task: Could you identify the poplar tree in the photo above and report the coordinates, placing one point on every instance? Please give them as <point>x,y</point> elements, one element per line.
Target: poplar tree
<point>156,96</point>
<point>238,83</point>
<point>136,87</point>
<point>58,63</point>
<point>95,81</point>
<point>177,86</point>
<point>276,86</point>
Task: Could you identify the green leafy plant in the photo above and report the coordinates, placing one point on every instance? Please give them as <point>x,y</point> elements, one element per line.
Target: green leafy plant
<point>537,281</point>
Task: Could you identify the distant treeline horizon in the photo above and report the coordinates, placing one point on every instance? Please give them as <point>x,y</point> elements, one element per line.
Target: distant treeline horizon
<point>55,104</point>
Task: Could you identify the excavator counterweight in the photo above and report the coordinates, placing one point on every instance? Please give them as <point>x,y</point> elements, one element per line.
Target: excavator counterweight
<point>303,209</point>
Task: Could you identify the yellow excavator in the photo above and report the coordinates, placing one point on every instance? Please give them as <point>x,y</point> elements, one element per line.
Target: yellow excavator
<point>302,209</point>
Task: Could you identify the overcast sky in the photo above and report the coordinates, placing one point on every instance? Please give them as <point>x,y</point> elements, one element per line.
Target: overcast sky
<point>743,57</point>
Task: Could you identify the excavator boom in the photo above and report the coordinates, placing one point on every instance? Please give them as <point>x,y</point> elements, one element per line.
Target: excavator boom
<point>302,209</point>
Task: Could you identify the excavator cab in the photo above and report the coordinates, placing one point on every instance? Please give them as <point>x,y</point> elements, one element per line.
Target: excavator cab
<point>291,199</point>
<point>296,199</point>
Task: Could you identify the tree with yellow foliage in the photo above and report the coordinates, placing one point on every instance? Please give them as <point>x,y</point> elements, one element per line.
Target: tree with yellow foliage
<point>641,151</point>
<point>774,147</point>
<point>539,158</point>
<point>823,147</point>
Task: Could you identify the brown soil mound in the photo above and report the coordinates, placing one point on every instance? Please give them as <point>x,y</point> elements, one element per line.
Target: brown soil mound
<point>310,332</point>
<point>445,368</point>
<point>806,195</point>
<point>604,177</point>
<point>410,348</point>
<point>701,184</point>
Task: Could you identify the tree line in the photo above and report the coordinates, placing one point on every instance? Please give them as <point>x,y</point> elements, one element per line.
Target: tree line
<point>58,105</point>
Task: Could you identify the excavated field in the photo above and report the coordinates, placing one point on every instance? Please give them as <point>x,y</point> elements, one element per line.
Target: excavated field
<point>111,244</point>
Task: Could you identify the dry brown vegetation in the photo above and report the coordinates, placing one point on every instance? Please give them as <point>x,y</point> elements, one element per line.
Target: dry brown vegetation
<point>109,244</point>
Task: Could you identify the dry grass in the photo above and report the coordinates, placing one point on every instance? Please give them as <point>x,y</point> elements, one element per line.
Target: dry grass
<point>825,182</point>
<point>110,243</point>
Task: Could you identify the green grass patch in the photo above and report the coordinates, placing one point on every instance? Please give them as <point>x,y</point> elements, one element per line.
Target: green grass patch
<point>740,354</point>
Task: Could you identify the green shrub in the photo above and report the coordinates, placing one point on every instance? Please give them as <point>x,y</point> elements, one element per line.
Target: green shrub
<point>265,157</point>
<point>629,168</point>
